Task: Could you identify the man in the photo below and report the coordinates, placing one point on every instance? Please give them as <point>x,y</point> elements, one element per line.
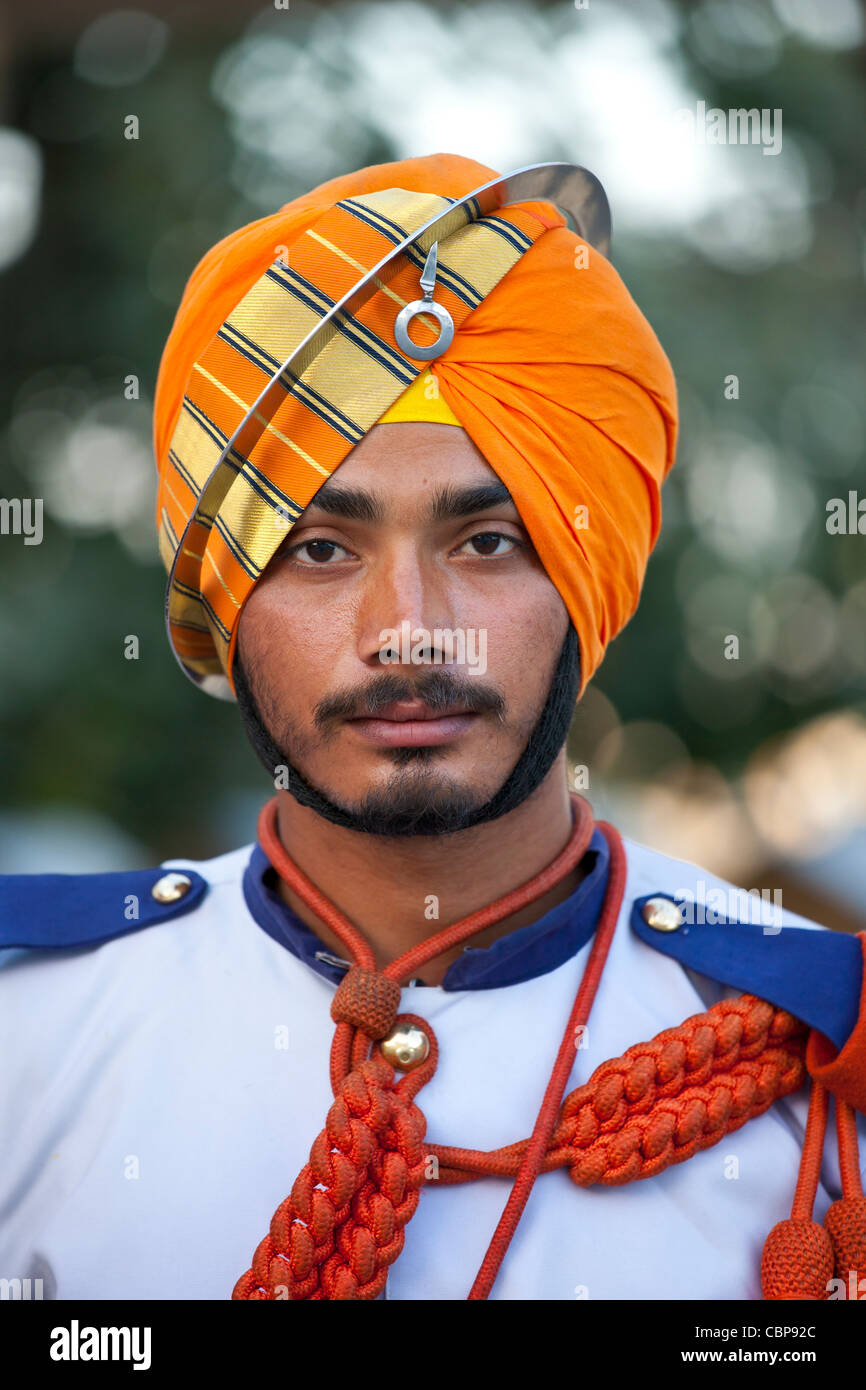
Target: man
<point>408,1045</point>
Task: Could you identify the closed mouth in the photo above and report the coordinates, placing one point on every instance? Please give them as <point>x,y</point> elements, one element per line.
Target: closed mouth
<point>404,711</point>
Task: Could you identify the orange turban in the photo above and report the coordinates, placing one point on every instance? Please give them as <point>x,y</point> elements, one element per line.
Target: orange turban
<point>553,372</point>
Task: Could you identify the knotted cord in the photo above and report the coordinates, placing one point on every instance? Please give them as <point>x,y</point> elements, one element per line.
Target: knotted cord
<point>342,1226</point>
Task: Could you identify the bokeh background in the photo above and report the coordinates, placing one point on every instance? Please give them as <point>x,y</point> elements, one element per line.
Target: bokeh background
<point>747,264</point>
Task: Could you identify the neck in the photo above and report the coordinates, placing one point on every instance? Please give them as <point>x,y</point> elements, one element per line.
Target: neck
<point>401,891</point>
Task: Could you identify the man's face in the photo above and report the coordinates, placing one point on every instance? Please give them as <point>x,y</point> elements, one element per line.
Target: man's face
<point>401,643</point>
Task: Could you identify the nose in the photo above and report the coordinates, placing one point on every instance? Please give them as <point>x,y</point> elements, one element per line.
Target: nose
<point>403,606</point>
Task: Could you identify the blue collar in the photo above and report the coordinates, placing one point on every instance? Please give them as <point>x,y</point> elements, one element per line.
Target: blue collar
<point>520,955</point>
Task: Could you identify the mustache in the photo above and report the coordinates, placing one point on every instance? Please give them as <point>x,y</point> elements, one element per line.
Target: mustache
<point>440,691</point>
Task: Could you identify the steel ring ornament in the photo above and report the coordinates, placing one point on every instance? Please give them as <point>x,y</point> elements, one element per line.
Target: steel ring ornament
<point>579,196</point>
<point>427,305</point>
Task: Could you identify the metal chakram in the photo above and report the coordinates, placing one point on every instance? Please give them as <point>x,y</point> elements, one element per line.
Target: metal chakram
<point>575,191</point>
<point>427,305</point>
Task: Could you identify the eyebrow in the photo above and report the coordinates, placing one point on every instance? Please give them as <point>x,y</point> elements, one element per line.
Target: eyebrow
<point>448,503</point>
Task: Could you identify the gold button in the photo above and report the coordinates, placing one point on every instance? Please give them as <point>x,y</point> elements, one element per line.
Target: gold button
<point>171,888</point>
<point>405,1046</point>
<point>662,914</point>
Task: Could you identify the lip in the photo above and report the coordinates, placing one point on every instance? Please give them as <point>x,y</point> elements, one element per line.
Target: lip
<point>402,711</point>
<point>412,724</point>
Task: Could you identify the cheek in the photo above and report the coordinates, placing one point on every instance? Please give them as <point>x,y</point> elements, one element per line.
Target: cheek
<point>525,635</point>
<point>289,634</point>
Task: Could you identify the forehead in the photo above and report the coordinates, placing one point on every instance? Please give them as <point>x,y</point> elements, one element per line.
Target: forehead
<point>397,460</point>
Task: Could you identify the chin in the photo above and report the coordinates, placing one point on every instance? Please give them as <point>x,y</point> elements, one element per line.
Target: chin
<point>415,799</point>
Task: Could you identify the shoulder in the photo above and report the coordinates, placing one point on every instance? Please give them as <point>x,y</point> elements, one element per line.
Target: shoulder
<point>745,938</point>
<point>50,912</point>
<point>651,871</point>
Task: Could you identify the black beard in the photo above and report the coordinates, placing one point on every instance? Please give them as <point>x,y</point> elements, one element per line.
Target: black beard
<point>417,807</point>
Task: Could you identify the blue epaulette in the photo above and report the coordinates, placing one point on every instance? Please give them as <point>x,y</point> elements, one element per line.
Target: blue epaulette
<point>816,975</point>
<point>52,911</point>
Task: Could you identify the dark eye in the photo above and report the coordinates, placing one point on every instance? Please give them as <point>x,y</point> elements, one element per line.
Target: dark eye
<point>315,551</point>
<point>488,543</point>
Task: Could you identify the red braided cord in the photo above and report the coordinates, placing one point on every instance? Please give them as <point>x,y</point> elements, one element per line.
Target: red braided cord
<point>849,1154</point>
<point>407,965</point>
<point>709,1076</point>
<point>813,1148</point>
<point>661,1101</point>
<point>540,1138</point>
<point>845,1221</point>
<point>364,1166</point>
<point>797,1261</point>
<point>350,1046</point>
<point>343,1224</point>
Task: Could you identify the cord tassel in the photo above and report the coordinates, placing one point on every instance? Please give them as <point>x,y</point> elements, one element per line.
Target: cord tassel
<point>798,1261</point>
